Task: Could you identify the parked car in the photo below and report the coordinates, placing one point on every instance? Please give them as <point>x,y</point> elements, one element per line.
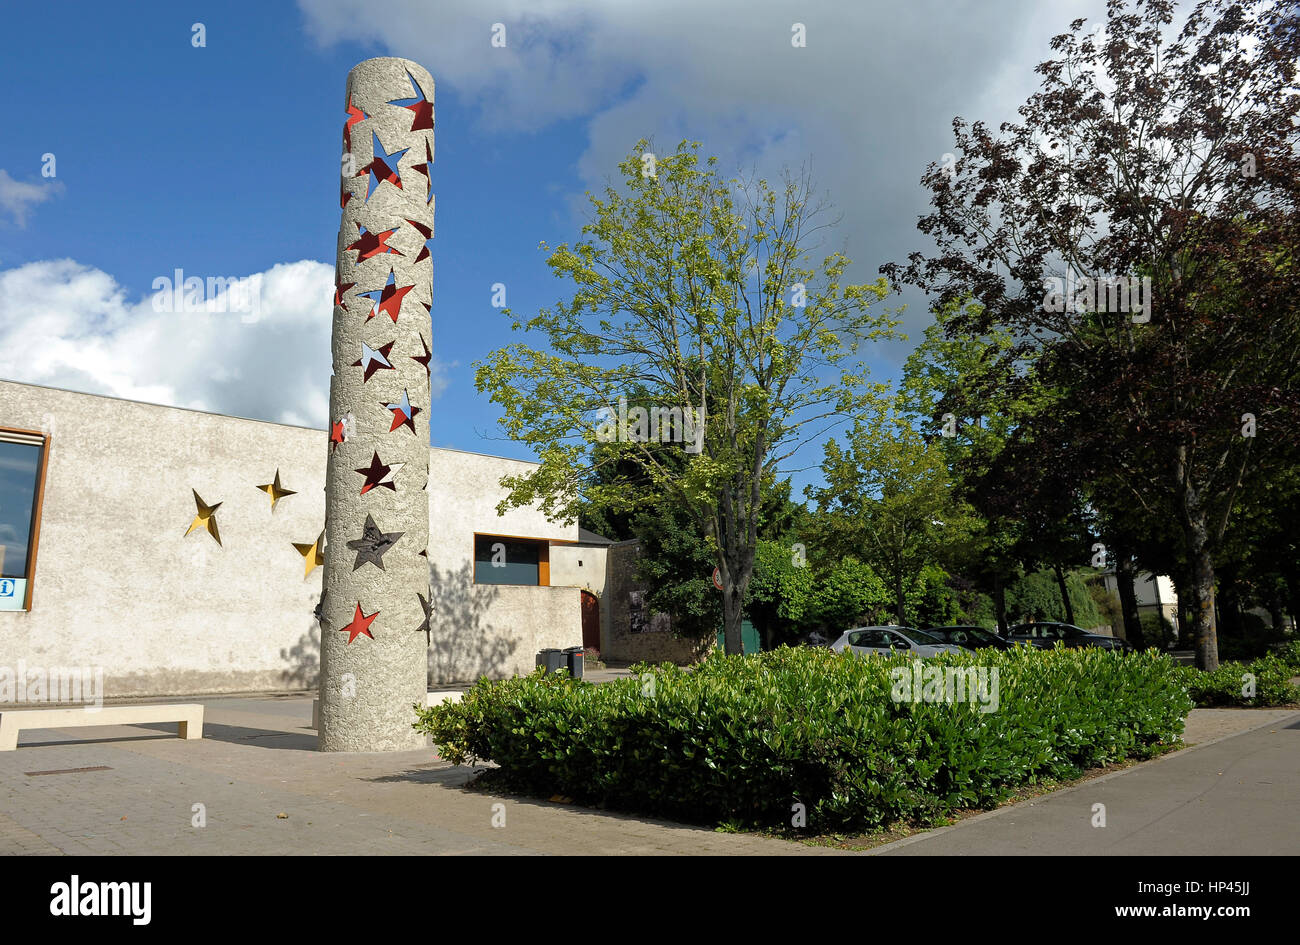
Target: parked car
<point>883,640</point>
<point>972,638</point>
<point>1045,635</point>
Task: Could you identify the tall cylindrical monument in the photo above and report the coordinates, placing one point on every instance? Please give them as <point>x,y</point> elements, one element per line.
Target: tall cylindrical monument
<point>375,603</point>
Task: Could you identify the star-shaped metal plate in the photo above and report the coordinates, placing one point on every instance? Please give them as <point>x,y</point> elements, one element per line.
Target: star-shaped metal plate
<point>373,544</point>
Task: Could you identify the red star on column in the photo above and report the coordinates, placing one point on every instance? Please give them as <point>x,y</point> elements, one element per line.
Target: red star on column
<point>426,169</point>
<point>339,289</point>
<point>372,244</point>
<point>427,233</point>
<point>403,413</point>
<point>354,115</point>
<point>379,474</point>
<point>360,624</point>
<point>420,106</point>
<point>390,299</point>
<point>336,434</point>
<point>423,111</point>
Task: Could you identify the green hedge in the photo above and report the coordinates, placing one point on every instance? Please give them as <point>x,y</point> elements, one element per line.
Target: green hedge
<point>1223,687</point>
<point>742,739</point>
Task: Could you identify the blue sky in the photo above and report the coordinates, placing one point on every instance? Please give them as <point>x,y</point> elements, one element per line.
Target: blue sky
<point>223,161</point>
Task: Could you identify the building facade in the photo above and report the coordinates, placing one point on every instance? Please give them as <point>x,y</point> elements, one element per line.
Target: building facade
<point>179,551</point>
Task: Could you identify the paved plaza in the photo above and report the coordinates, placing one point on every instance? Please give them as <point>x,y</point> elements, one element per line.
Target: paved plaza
<point>264,789</point>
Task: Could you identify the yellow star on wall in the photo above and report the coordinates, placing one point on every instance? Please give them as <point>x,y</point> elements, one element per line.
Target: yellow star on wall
<point>314,553</point>
<point>274,490</point>
<point>205,518</point>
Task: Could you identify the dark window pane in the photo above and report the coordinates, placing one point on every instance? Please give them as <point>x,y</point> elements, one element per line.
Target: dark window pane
<point>19,463</point>
<point>503,561</point>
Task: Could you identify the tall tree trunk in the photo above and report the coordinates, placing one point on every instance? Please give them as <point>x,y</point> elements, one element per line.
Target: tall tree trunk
<point>900,601</point>
<point>1275,608</point>
<point>732,614</point>
<point>1000,602</point>
<point>1292,577</point>
<point>1228,621</point>
<point>737,569</point>
<point>1065,593</point>
<point>1128,599</point>
<point>1183,591</point>
<point>1204,629</point>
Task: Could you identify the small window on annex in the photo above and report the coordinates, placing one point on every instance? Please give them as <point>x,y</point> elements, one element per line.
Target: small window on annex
<point>22,473</point>
<point>502,560</point>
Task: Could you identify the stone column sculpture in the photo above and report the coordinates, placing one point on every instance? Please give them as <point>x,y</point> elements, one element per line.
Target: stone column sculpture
<point>375,604</point>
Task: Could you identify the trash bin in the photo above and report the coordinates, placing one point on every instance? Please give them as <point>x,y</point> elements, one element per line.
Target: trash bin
<point>552,659</point>
<point>574,657</point>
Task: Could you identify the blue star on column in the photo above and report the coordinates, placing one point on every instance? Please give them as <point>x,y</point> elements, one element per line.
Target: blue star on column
<point>383,167</point>
<point>403,413</point>
<point>372,360</point>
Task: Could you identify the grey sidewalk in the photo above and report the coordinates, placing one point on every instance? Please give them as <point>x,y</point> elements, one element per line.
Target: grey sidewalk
<point>1236,794</point>
<point>257,760</point>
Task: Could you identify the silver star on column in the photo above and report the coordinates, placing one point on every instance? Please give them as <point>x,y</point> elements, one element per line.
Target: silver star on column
<point>372,544</point>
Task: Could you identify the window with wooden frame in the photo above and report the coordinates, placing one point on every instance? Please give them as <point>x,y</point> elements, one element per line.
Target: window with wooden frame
<point>23,456</point>
<point>510,559</point>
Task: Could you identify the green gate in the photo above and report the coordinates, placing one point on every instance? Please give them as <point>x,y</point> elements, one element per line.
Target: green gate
<point>748,637</point>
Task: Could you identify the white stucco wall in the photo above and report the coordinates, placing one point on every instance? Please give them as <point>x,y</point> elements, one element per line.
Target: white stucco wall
<point>583,567</point>
<point>579,566</point>
<point>490,629</point>
<point>119,585</point>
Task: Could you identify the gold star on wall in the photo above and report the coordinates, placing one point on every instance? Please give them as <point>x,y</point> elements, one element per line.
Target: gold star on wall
<point>275,491</point>
<point>314,553</point>
<point>205,518</point>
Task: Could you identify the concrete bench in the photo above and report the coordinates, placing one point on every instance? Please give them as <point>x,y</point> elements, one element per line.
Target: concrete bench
<point>431,698</point>
<point>188,716</point>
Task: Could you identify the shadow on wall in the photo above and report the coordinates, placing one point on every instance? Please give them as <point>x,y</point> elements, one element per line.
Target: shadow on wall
<point>303,659</point>
<point>464,646</point>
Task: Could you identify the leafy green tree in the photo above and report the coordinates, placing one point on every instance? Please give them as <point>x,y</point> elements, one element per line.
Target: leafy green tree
<point>676,567</point>
<point>953,389</point>
<point>888,499</point>
<point>933,603</point>
<point>847,594</point>
<point>1036,596</point>
<point>780,596</point>
<point>700,294</point>
<point>1146,154</point>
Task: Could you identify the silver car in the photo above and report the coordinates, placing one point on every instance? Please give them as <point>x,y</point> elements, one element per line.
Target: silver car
<point>883,640</point>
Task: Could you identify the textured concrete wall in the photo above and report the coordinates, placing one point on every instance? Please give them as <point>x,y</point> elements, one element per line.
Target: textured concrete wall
<point>583,566</point>
<point>578,566</point>
<point>119,585</point>
<point>488,629</point>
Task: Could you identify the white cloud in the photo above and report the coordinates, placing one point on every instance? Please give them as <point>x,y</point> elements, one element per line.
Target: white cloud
<point>16,197</point>
<point>868,102</point>
<point>66,325</point>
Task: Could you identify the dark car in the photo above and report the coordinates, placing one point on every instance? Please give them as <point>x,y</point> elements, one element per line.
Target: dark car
<point>1045,635</point>
<point>972,638</point>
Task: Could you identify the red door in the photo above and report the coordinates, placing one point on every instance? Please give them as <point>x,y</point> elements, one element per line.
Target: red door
<point>590,621</point>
